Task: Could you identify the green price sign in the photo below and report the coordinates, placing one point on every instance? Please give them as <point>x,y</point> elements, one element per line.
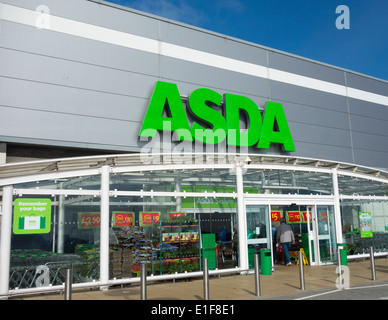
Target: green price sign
<point>31,216</point>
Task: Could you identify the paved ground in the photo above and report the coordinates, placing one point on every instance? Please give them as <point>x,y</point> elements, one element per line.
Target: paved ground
<point>283,284</point>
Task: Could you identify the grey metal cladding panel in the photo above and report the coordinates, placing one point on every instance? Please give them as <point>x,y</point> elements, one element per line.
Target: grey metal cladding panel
<point>212,43</point>
<point>369,125</point>
<point>368,141</point>
<point>368,109</point>
<point>66,129</point>
<point>96,14</point>
<point>367,84</point>
<point>23,3</point>
<point>73,48</point>
<point>286,92</point>
<point>308,133</point>
<point>67,100</point>
<point>316,116</point>
<point>185,89</point>
<point>207,77</point>
<point>50,70</point>
<point>305,68</point>
<point>376,158</point>
<point>324,152</point>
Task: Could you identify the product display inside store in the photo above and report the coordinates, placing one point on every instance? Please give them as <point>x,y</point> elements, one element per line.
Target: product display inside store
<point>168,242</point>
<point>167,247</point>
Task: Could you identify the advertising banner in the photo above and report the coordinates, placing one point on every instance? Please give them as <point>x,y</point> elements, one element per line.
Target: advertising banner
<point>366,224</point>
<point>31,216</point>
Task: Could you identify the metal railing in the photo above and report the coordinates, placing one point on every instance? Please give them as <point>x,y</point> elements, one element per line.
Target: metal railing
<point>115,282</point>
<point>68,286</point>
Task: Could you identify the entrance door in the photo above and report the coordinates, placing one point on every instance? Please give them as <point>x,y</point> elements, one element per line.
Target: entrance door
<point>326,235</point>
<point>321,234</point>
<point>313,227</point>
<point>258,230</point>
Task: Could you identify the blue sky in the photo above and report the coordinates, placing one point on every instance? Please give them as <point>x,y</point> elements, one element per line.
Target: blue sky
<point>303,27</point>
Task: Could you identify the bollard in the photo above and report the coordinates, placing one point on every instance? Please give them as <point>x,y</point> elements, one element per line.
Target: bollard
<point>339,266</point>
<point>205,279</point>
<point>372,263</point>
<point>301,271</point>
<point>257,276</point>
<point>68,283</point>
<point>143,280</point>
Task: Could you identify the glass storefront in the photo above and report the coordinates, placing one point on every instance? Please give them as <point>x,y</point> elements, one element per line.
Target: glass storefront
<point>172,234</point>
<point>173,219</point>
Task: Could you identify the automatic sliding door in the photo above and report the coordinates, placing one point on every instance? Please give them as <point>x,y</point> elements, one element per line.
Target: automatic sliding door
<point>258,230</point>
<point>314,224</point>
<point>326,233</point>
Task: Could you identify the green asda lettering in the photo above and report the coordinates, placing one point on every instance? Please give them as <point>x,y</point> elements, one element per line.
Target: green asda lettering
<point>166,112</point>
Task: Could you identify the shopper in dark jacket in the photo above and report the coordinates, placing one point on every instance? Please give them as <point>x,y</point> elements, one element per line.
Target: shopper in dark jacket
<point>285,237</point>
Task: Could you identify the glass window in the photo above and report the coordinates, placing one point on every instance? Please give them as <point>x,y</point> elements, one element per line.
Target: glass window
<point>219,233</point>
<point>172,234</point>
<point>356,186</point>
<point>326,233</point>
<point>85,182</point>
<point>284,182</point>
<point>214,217</point>
<point>51,234</point>
<point>170,180</point>
<point>365,225</point>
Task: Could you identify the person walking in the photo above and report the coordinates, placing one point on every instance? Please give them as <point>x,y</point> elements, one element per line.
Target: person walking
<point>285,237</point>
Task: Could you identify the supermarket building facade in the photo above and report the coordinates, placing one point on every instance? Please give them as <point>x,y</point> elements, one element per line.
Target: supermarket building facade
<point>127,138</point>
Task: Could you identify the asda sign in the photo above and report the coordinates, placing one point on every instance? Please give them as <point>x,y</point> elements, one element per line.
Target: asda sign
<point>230,118</point>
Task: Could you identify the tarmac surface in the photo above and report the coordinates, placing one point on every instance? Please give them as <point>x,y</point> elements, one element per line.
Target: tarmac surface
<point>282,284</point>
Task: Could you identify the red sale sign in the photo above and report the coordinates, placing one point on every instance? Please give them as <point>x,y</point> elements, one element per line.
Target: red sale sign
<point>122,219</point>
<point>88,220</point>
<point>275,216</point>
<point>149,218</point>
<point>293,217</point>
